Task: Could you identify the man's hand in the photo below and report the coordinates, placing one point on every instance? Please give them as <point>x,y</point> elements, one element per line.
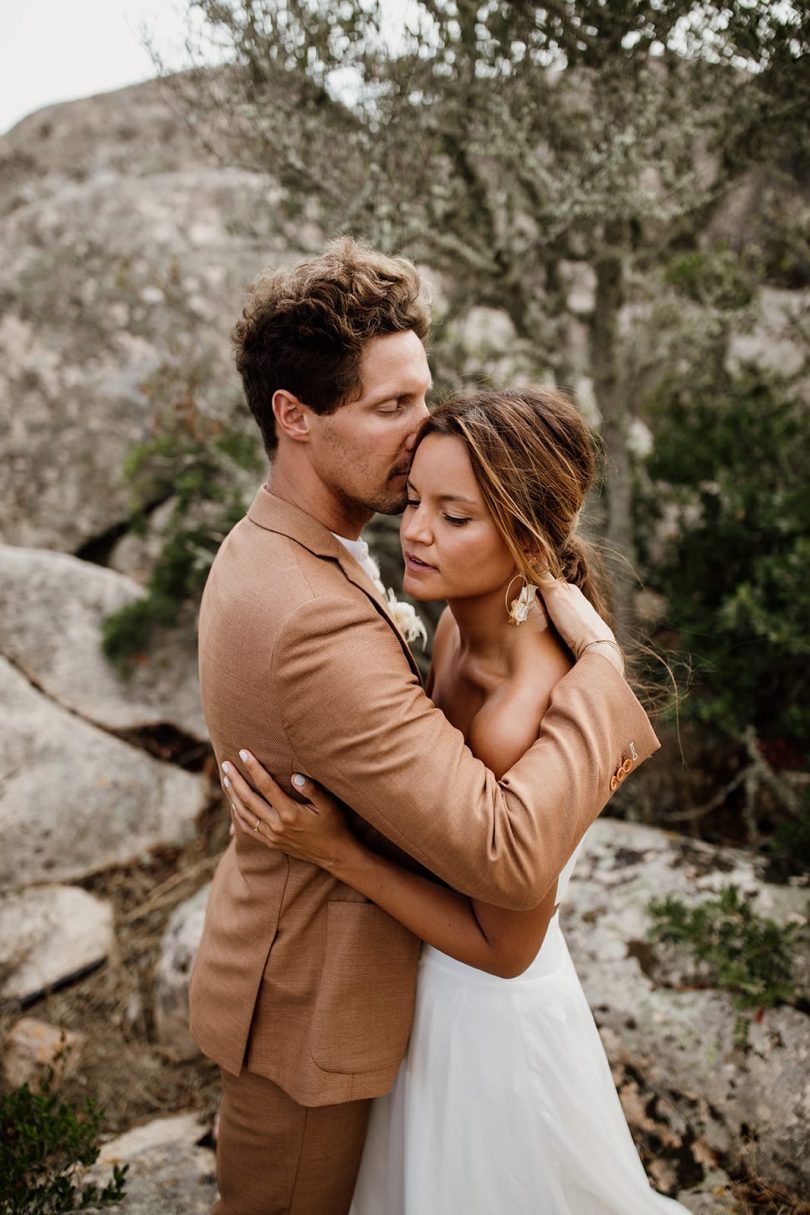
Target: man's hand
<point>578,622</point>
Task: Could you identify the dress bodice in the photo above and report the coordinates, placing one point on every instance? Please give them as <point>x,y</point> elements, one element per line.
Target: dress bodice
<point>551,955</point>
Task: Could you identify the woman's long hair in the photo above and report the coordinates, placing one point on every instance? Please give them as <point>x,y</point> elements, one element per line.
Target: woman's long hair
<point>533,457</point>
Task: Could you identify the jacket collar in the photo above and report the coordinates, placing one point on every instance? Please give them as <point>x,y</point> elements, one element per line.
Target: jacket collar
<point>276,515</point>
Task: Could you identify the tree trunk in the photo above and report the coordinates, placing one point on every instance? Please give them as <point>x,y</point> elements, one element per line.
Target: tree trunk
<point>613,406</point>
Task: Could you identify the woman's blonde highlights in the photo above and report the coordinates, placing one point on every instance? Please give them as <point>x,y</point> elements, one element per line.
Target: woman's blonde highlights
<point>533,458</point>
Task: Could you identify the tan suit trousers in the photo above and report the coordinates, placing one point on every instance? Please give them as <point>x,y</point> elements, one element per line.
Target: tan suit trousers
<point>276,1157</point>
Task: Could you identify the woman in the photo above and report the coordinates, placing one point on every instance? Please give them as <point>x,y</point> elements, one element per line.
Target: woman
<point>505,1102</point>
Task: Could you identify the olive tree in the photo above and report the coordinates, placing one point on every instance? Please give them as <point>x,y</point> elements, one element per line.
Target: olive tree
<point>547,160</point>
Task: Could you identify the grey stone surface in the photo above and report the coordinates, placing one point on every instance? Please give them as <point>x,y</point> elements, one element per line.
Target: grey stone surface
<point>180,943</point>
<point>51,610</point>
<point>679,1039</point>
<point>74,800</point>
<point>123,264</point>
<point>169,1172</point>
<point>48,935</point>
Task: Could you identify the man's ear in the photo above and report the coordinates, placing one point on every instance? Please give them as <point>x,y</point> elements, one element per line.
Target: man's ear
<point>292,417</point>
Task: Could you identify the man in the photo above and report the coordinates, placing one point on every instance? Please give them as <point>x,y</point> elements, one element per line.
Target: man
<point>302,990</point>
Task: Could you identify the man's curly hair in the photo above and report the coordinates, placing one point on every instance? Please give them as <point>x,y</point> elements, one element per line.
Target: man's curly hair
<point>303,328</point>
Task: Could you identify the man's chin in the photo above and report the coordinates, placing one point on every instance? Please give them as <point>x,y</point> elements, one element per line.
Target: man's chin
<point>389,502</point>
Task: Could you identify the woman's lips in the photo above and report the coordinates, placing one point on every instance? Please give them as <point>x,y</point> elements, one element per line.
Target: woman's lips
<point>415,565</point>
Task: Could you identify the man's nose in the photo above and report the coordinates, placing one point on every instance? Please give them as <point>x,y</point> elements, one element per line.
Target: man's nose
<point>420,413</point>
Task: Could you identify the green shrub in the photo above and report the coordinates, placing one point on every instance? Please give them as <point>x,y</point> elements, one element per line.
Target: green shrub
<point>45,1144</point>
<point>727,479</point>
<point>198,465</point>
<point>745,954</point>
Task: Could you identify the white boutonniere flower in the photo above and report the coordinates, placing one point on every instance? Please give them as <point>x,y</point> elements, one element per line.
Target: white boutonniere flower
<point>406,619</point>
<point>404,615</point>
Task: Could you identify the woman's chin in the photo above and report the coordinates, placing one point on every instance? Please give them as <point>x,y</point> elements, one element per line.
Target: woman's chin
<point>415,587</point>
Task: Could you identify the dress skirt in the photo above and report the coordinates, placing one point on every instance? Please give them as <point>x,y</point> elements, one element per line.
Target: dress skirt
<point>504,1104</point>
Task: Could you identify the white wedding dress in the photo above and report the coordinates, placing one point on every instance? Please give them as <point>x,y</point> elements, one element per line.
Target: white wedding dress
<point>504,1104</point>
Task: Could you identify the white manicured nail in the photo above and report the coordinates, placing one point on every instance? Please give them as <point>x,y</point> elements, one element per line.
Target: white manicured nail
<point>298,780</point>
<point>244,756</point>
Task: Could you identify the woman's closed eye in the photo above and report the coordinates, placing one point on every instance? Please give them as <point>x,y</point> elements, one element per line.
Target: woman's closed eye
<point>456,520</point>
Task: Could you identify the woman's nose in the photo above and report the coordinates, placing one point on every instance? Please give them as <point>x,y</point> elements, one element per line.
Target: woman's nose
<point>416,525</point>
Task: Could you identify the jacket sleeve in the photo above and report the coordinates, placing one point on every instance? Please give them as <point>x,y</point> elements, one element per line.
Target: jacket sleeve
<point>359,722</point>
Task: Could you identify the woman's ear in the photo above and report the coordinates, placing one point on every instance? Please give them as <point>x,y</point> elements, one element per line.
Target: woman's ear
<point>292,416</point>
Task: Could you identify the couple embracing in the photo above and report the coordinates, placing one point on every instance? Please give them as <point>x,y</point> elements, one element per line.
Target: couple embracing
<point>361,1068</point>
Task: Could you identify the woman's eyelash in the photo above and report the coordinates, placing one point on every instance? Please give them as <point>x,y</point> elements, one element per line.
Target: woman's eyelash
<point>456,522</point>
<point>411,501</point>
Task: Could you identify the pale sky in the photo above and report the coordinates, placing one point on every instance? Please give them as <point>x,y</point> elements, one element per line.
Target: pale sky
<point>57,50</point>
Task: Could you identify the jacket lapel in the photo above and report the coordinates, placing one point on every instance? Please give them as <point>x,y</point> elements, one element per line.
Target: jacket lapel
<point>276,515</point>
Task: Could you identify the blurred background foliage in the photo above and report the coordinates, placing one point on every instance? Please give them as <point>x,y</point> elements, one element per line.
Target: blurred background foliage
<point>608,196</point>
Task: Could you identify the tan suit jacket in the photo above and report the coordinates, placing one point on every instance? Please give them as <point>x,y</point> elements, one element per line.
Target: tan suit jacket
<point>299,978</point>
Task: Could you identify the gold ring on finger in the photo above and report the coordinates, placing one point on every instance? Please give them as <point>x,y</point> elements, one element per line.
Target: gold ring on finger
<point>258,824</point>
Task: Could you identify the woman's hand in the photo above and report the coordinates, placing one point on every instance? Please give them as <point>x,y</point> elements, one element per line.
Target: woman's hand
<point>314,830</point>
<point>578,622</point>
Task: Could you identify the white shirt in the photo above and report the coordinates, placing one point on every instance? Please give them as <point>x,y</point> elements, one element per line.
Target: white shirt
<point>359,550</point>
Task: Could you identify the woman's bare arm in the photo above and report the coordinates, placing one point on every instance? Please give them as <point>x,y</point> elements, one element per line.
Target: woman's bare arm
<point>491,939</point>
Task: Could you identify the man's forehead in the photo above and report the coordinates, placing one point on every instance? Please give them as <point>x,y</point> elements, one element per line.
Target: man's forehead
<point>394,368</point>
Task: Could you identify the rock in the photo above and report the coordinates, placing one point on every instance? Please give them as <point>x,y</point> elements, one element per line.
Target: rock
<point>51,611</point>
<point>682,1041</point>
<point>714,1196</point>
<point>74,800</point>
<point>123,268</point>
<point>180,943</point>
<point>50,935</point>
<point>169,1172</point>
<point>31,1046</point>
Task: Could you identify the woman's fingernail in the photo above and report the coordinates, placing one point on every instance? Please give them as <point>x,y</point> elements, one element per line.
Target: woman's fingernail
<point>298,780</point>
<point>244,756</point>
<point>226,767</point>
<point>226,783</point>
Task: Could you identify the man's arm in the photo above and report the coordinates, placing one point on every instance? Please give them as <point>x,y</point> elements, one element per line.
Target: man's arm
<point>369,734</point>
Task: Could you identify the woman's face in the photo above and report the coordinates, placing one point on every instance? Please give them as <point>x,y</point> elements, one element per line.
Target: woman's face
<point>450,543</point>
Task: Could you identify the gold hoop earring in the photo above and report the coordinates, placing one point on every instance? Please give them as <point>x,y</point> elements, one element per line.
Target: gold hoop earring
<point>518,610</point>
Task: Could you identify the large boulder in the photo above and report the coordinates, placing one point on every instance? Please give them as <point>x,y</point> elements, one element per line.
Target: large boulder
<point>180,943</point>
<point>48,936</point>
<point>655,1024</point>
<point>75,800</point>
<point>170,1171</point>
<point>51,611</point>
<point>125,250</point>
<point>100,331</point>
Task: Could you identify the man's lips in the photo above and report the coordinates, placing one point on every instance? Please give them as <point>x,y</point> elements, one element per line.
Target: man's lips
<point>416,563</point>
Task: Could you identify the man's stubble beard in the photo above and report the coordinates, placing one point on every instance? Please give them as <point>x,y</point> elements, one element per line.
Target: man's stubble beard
<point>385,502</point>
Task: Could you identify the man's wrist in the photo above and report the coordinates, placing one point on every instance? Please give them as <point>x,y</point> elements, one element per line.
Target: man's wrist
<point>608,648</point>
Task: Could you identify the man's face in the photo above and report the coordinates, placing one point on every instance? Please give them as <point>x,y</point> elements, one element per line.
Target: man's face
<point>362,451</point>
